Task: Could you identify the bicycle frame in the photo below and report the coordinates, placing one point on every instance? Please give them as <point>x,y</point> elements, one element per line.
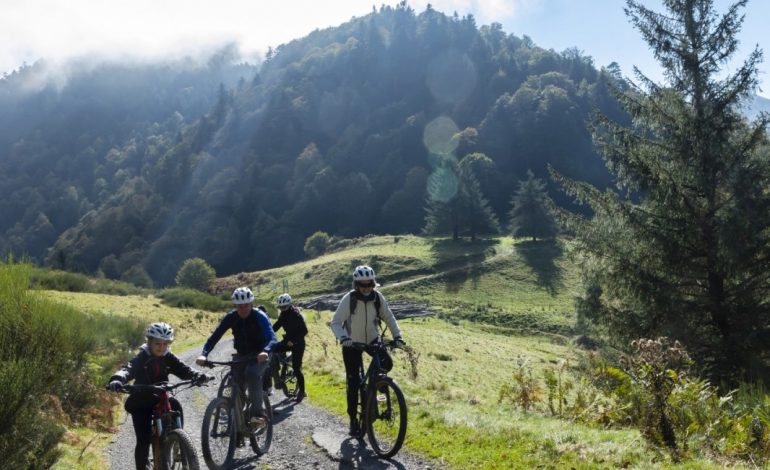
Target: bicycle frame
<point>367,378</point>
<point>164,418</point>
<point>238,423</point>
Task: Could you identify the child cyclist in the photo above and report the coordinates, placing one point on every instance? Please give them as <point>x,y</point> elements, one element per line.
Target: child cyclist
<point>151,365</point>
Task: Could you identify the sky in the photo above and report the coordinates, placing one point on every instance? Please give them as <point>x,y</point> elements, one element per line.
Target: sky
<point>57,30</point>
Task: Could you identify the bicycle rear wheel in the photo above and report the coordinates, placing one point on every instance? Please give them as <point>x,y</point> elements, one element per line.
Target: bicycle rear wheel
<point>179,452</point>
<point>218,434</point>
<point>289,380</point>
<point>386,417</point>
<point>261,438</point>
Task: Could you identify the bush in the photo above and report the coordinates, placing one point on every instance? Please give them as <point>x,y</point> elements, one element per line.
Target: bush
<point>195,273</point>
<point>316,244</point>
<point>189,298</point>
<point>137,276</point>
<point>41,278</point>
<point>49,371</point>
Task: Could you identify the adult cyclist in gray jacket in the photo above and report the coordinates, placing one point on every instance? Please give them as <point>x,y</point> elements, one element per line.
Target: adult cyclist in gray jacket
<point>360,326</point>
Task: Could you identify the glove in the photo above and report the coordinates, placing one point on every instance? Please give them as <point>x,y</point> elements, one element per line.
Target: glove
<point>202,378</point>
<point>201,361</point>
<point>346,342</point>
<point>115,385</point>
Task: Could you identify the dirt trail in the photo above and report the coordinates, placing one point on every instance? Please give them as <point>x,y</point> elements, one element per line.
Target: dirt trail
<point>304,436</point>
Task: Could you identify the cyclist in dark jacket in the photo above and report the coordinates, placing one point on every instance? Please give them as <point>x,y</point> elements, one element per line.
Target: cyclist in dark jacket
<point>252,335</point>
<point>151,365</point>
<point>293,323</point>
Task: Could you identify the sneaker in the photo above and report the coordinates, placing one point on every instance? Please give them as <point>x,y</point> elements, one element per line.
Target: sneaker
<point>300,396</point>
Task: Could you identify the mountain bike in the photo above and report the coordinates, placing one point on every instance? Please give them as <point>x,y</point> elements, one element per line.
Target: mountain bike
<point>282,372</point>
<point>172,448</point>
<point>382,412</point>
<point>225,422</point>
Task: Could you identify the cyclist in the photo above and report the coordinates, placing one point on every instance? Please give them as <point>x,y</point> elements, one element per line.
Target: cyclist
<point>252,334</point>
<point>293,323</point>
<point>151,365</point>
<point>359,324</point>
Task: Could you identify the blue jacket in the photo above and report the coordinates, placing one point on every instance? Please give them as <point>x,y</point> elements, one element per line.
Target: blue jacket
<point>252,334</point>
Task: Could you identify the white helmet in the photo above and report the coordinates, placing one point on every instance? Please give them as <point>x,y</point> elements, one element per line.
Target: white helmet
<point>284,300</point>
<point>160,330</point>
<point>242,295</point>
<point>363,273</point>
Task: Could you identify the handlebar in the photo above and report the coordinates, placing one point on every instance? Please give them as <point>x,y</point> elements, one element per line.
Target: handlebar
<point>241,360</point>
<point>378,346</point>
<point>131,389</point>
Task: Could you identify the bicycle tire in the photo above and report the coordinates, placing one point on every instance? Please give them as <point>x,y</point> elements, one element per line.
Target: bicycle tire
<point>261,438</point>
<point>219,424</point>
<point>186,459</point>
<point>289,380</point>
<point>386,417</point>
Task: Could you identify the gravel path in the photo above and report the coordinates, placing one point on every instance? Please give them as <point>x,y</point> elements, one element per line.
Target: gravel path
<point>304,436</point>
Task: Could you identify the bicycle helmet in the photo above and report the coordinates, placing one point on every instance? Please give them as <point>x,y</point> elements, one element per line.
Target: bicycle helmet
<point>242,295</point>
<point>363,273</point>
<point>284,300</point>
<point>160,330</point>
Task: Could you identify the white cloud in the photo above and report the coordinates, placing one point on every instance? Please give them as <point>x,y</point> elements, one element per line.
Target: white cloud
<point>59,30</point>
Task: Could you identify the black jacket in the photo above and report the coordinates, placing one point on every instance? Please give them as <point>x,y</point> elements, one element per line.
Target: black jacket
<point>146,369</point>
<point>293,323</point>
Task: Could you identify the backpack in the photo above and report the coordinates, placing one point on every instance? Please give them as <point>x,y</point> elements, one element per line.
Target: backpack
<point>354,301</point>
<point>386,362</point>
<point>377,303</point>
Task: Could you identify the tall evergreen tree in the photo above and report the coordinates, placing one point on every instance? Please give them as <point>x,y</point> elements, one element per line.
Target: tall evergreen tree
<point>684,249</point>
<point>530,214</point>
<point>455,202</point>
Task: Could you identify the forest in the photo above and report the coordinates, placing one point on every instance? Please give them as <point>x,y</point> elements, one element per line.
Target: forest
<point>127,170</point>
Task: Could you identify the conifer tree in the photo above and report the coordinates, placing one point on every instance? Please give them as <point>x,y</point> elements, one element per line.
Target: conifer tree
<point>456,204</point>
<point>530,213</point>
<point>683,248</point>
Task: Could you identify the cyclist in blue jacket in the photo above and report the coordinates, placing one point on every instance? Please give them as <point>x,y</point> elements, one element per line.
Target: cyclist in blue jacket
<point>252,335</point>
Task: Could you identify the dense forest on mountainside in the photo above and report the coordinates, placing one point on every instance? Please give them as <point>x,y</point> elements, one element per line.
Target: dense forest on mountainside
<point>128,170</point>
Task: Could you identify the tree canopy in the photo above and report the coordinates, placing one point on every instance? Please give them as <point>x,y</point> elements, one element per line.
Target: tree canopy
<point>683,248</point>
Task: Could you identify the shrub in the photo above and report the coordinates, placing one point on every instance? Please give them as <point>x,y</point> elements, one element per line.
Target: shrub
<point>48,370</point>
<point>137,276</point>
<point>195,273</point>
<point>316,244</point>
<point>524,391</point>
<point>189,298</point>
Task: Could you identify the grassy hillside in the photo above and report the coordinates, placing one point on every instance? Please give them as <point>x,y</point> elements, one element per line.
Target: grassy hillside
<point>455,379</point>
<point>508,282</point>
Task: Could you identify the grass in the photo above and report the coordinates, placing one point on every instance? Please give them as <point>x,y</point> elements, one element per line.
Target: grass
<point>454,414</point>
<point>510,282</point>
<point>191,328</point>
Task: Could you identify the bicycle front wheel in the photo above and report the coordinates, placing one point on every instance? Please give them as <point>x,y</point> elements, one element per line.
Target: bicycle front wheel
<point>218,437</point>
<point>386,417</point>
<point>261,438</point>
<point>179,452</point>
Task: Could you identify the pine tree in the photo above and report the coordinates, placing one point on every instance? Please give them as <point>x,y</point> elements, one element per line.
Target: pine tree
<point>683,249</point>
<point>530,213</point>
<point>456,204</point>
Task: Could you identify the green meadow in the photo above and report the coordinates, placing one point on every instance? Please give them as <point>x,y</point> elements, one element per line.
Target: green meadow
<point>500,303</point>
